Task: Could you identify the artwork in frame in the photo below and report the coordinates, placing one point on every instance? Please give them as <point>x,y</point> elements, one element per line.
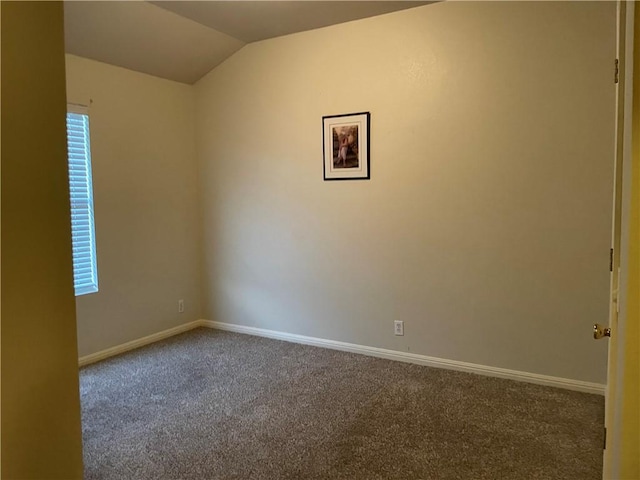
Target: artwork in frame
<point>346,146</point>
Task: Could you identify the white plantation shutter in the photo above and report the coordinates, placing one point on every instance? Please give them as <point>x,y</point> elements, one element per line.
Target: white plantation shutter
<point>85,272</point>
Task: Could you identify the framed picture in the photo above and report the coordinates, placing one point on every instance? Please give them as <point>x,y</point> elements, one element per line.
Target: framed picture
<point>346,146</point>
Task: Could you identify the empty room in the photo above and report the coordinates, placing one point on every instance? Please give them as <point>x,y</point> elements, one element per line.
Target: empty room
<point>320,240</point>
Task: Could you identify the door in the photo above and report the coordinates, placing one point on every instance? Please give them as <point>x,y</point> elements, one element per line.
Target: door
<point>621,398</point>
<point>614,262</point>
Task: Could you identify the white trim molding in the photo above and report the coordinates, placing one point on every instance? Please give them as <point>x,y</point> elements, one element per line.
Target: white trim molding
<point>566,383</point>
<point>140,342</point>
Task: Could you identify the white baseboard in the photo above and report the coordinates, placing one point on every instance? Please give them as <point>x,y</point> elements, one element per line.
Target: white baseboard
<point>140,342</point>
<point>588,387</point>
<point>566,383</point>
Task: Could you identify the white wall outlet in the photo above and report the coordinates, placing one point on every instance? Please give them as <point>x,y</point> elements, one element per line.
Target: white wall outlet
<point>398,327</point>
<point>180,306</point>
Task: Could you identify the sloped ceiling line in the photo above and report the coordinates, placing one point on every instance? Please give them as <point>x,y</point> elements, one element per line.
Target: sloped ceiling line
<point>184,40</point>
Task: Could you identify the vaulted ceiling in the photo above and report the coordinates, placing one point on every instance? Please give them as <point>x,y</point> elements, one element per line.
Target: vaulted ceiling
<point>184,40</point>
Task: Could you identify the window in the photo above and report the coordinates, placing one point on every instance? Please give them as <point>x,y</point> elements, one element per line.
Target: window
<point>85,270</point>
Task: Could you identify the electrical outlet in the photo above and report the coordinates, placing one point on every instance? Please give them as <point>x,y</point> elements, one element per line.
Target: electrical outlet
<point>180,306</point>
<point>398,327</point>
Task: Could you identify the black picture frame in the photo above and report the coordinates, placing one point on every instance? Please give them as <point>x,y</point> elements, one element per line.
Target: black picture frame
<point>345,146</point>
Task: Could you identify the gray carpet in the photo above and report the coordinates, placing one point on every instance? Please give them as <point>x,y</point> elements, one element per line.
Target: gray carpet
<point>216,405</point>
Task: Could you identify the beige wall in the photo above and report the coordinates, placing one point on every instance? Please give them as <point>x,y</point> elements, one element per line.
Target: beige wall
<point>486,223</point>
<point>41,436</point>
<point>146,210</point>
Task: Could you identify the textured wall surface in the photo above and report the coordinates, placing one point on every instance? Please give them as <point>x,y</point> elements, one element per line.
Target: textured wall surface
<point>41,435</point>
<point>486,223</point>
<point>146,210</point>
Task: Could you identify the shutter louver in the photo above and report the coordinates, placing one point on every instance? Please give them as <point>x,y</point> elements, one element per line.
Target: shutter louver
<point>85,272</point>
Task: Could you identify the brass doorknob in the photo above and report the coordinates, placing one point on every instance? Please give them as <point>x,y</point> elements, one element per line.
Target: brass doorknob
<point>599,331</point>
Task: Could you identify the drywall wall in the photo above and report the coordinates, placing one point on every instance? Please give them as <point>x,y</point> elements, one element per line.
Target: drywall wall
<point>41,434</point>
<point>485,226</point>
<point>145,198</point>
